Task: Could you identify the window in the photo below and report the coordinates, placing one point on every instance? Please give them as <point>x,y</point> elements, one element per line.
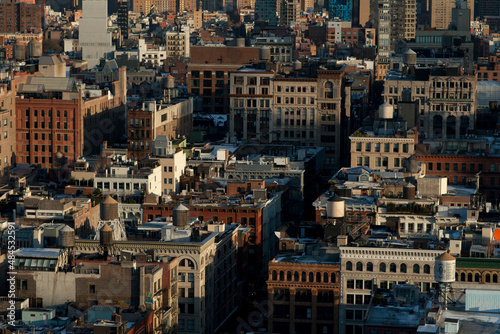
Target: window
<point>392,267</point>
<point>91,288</point>
<point>350,284</point>
<point>348,266</point>
<point>427,269</point>
<point>191,277</point>
<point>369,266</point>
<point>382,267</point>
<point>359,266</point>
<point>416,269</point>
<point>402,268</point>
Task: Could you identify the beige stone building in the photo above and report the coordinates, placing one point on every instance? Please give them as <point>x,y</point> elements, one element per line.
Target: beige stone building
<point>382,152</point>
<point>8,129</point>
<point>441,12</point>
<point>312,111</point>
<point>362,268</point>
<point>446,103</point>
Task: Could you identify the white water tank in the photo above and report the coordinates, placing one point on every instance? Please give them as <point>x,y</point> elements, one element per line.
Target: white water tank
<point>335,207</point>
<point>410,57</point>
<point>444,268</point>
<point>386,111</point>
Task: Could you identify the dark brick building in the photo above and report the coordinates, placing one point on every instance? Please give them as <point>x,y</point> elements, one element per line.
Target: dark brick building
<point>17,16</point>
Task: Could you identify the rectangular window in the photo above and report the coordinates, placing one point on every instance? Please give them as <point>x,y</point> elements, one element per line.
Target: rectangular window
<point>387,147</point>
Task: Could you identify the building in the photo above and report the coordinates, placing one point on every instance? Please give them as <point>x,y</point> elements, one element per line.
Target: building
<point>7,128</point>
<point>289,11</point>
<point>208,74</point>
<point>394,21</point>
<point>265,10</point>
<point>386,145</point>
<point>309,111</point>
<point>446,100</point>
<point>303,294</point>
<point>172,118</point>
<point>342,9</point>
<point>161,6</point>
<point>122,19</point>
<point>198,254</point>
<point>261,217</point>
<point>441,13</point>
<point>59,120</point>
<point>363,268</point>
<point>126,179</point>
<point>177,44</point>
<point>487,8</point>
<point>21,16</point>
<point>172,162</point>
<point>94,38</point>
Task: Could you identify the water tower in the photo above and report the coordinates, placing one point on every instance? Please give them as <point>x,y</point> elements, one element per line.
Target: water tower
<point>106,239</point>
<point>444,274</point>
<point>180,216</point>
<point>66,240</point>
<point>335,207</point>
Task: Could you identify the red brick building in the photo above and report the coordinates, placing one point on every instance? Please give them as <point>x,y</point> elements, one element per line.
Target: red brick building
<point>20,16</point>
<point>489,71</point>
<point>65,121</point>
<point>462,170</point>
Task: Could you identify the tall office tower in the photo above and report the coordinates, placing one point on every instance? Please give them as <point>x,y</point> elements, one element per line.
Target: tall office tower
<point>360,12</point>
<point>265,10</point>
<point>442,9</point>
<point>94,39</point>
<point>289,11</point>
<point>341,9</point>
<point>487,8</point>
<point>394,20</point>
<point>123,18</point>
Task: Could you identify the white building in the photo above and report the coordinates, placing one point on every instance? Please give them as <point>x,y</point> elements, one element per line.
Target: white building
<point>94,38</point>
<point>177,44</point>
<point>172,164</point>
<point>127,179</point>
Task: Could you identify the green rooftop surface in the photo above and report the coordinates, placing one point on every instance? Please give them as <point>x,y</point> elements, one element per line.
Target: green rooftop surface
<point>478,263</point>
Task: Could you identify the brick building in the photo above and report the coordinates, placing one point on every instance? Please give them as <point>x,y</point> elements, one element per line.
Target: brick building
<point>208,74</point>
<point>20,16</point>
<point>462,170</point>
<point>172,119</point>
<point>303,294</point>
<point>64,121</point>
<point>262,218</point>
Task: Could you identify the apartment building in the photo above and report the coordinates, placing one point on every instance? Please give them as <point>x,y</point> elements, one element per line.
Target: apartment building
<point>200,255</point>
<point>172,162</point>
<point>446,100</point>
<point>385,145</point>
<point>21,16</point>
<point>308,111</point>
<point>363,268</point>
<point>177,44</point>
<point>171,118</point>
<point>60,119</point>
<point>303,294</point>
<point>7,130</point>
<point>208,74</point>
<point>125,178</point>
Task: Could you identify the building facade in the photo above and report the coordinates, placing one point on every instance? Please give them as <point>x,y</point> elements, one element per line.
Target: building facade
<point>303,295</point>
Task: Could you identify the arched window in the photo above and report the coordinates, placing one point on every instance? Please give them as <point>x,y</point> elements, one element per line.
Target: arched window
<point>416,269</point>
<point>477,277</point>
<point>437,126</point>
<point>333,280</point>
<point>359,266</point>
<point>328,90</point>
<point>402,268</point>
<point>311,277</point>
<point>487,278</point>
<point>282,276</point>
<point>296,276</point>
<point>427,269</point>
<point>275,275</point>
<point>451,126</point>
<point>495,278</point>
<point>289,276</point>
<point>318,277</point>
<point>469,277</point>
<point>348,266</point>
<point>304,276</point>
<point>325,278</point>
<point>369,266</point>
<point>392,267</point>
<point>382,267</point>
<point>462,277</point>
